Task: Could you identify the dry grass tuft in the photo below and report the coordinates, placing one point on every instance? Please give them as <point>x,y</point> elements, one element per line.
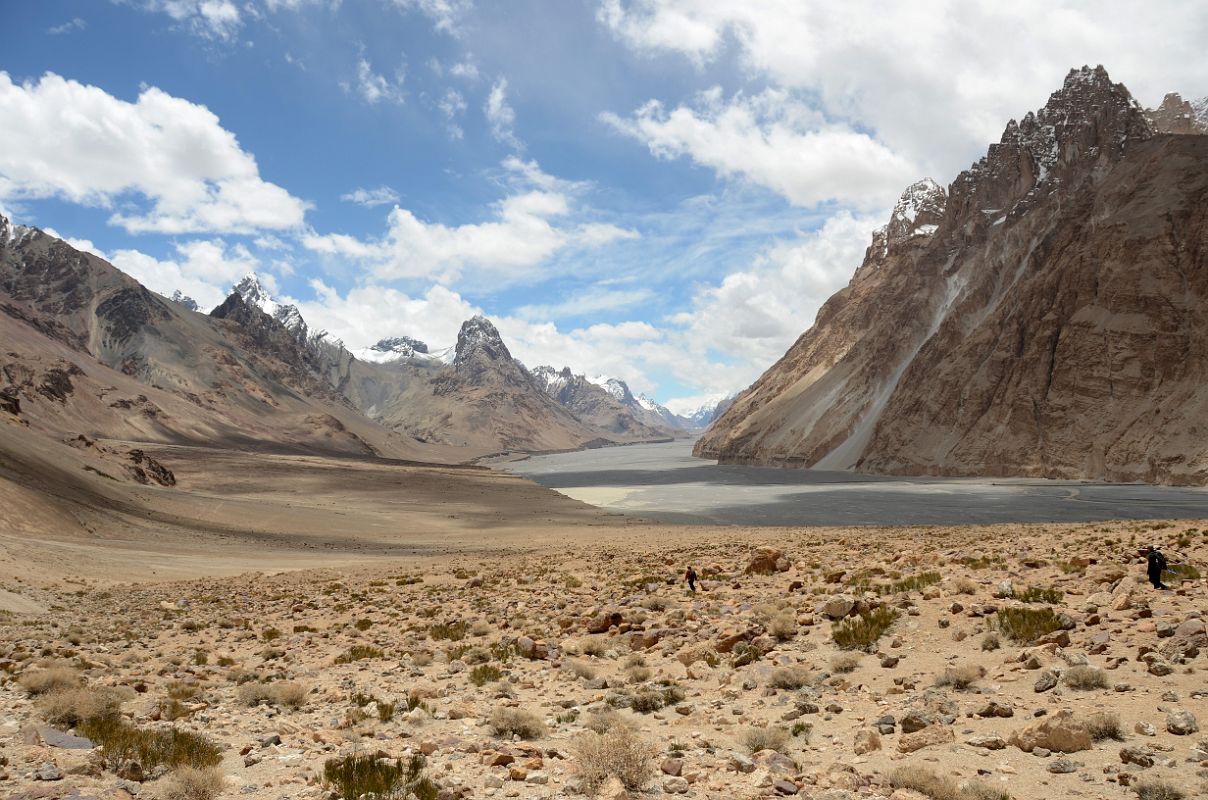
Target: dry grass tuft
<point>70,707</point>
<point>511,721</point>
<point>843,663</point>
<point>789,678</point>
<point>1157,789</point>
<point>962,677</point>
<point>756,739</point>
<point>620,752</point>
<point>1026,625</point>
<point>283,693</point>
<point>1104,725</point>
<point>189,783</point>
<point>939,787</point>
<point>1085,677</point>
<point>863,631</point>
<point>783,626</point>
<point>51,679</point>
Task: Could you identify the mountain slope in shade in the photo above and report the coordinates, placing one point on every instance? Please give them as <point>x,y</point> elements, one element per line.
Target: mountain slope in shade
<point>1050,320</point>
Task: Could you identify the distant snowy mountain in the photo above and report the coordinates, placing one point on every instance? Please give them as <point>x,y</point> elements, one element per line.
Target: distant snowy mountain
<point>701,415</point>
<point>402,348</point>
<point>185,300</point>
<point>255,295</point>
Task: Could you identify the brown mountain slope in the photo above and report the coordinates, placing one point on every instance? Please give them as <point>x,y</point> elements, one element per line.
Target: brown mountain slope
<point>1051,323</point>
<point>87,350</point>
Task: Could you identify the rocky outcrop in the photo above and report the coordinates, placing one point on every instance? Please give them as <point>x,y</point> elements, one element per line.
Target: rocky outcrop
<point>1179,116</point>
<point>597,405</point>
<point>1046,319</point>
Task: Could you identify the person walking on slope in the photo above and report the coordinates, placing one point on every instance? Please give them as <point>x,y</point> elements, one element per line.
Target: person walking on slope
<point>1155,563</point>
<point>690,577</point>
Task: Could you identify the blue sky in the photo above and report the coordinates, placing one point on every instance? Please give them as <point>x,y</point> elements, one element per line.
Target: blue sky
<point>662,190</point>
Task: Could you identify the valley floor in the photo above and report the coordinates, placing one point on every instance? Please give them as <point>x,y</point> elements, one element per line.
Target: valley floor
<point>297,609</point>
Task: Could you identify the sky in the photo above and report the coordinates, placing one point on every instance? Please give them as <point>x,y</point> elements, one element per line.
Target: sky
<point>663,191</point>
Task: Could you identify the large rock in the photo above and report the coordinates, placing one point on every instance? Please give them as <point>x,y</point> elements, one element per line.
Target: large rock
<point>1060,733</point>
<point>1181,722</point>
<point>766,561</point>
<point>928,737</point>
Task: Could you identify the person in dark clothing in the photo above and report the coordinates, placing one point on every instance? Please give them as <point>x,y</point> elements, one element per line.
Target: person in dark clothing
<point>1155,563</point>
<point>690,577</point>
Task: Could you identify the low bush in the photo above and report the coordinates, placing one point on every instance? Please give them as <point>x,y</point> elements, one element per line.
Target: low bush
<point>1157,789</point>
<point>151,748</point>
<point>789,678</point>
<point>844,662</point>
<point>783,626</point>
<point>484,674</point>
<point>453,631</point>
<point>939,787</point>
<point>51,679</point>
<point>1104,725</point>
<point>1037,594</point>
<point>511,721</point>
<point>961,677</point>
<point>189,783</point>
<point>70,707</point>
<point>863,631</point>
<point>359,652</point>
<point>756,739</point>
<point>620,752</point>
<point>1085,677</point>
<point>1025,625</point>
<point>365,775</point>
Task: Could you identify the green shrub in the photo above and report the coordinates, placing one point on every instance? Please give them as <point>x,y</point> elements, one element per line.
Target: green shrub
<point>1026,625</point>
<point>359,652</point>
<point>365,775</point>
<point>863,631</point>
<point>454,632</point>
<point>364,624</point>
<point>151,748</point>
<point>1037,594</point>
<point>485,673</point>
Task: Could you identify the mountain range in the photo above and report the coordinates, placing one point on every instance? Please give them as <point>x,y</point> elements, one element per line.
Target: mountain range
<point>1044,315</point>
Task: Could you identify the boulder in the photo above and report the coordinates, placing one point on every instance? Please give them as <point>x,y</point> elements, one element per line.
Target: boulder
<point>1059,733</point>
<point>928,737</point>
<point>1181,722</point>
<point>766,561</point>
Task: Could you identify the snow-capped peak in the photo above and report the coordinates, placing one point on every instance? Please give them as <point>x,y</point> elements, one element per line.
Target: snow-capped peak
<point>254,294</point>
<point>184,300</point>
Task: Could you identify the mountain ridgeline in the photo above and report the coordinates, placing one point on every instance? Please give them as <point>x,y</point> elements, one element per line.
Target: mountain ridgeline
<point>1046,315</point>
<point>91,354</point>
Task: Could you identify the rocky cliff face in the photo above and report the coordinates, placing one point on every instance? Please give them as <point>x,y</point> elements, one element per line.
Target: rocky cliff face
<point>1048,318</point>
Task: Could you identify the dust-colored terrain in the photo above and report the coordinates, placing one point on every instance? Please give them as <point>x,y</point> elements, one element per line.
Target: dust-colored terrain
<point>295,610</point>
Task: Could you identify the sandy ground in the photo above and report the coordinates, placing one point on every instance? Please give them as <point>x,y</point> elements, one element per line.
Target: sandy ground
<point>268,571</point>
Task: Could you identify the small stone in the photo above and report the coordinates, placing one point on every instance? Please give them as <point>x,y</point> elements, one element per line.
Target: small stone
<point>1062,766</point>
<point>675,785</point>
<point>1047,680</point>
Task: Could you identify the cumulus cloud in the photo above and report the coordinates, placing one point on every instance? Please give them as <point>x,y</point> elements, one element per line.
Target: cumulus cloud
<point>525,228</point>
<point>931,81</point>
<point>381,196</point>
<point>204,269</point>
<point>771,140</point>
<point>76,142</point>
<point>501,116</point>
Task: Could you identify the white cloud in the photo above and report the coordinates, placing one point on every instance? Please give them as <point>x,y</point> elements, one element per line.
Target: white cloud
<point>453,105</point>
<point>754,315</point>
<point>775,142</point>
<point>467,70</point>
<point>446,15</point>
<point>500,115</point>
<point>372,312</point>
<point>70,26</point>
<point>933,82</point>
<point>204,269</point>
<point>212,19</point>
<point>525,228</point>
<point>374,88</point>
<point>76,142</point>
<point>595,299</point>
<point>381,196</point>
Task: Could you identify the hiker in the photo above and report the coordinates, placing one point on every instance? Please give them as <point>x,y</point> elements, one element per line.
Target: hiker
<point>690,577</point>
<point>1155,563</point>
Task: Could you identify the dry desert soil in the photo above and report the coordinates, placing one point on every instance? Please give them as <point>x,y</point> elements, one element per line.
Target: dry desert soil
<point>273,616</point>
